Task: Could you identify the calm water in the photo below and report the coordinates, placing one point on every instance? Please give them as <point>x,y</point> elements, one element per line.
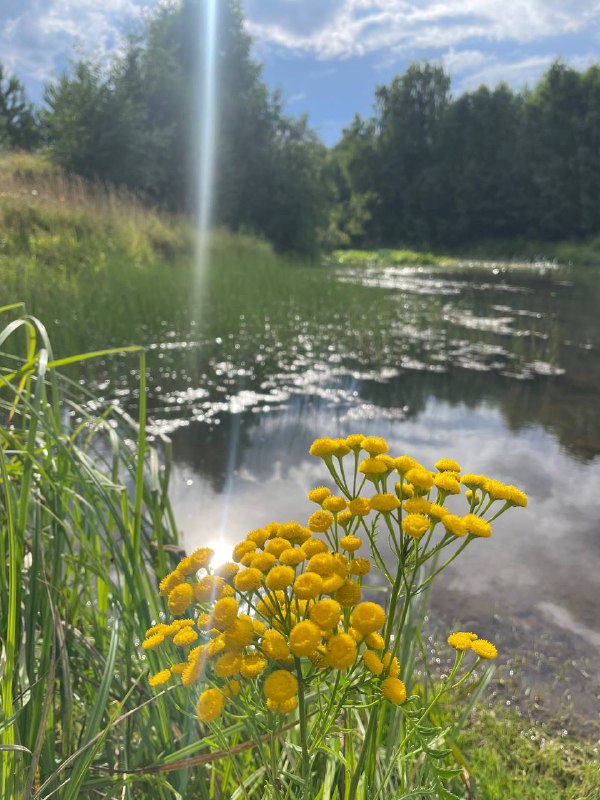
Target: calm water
<point>497,366</point>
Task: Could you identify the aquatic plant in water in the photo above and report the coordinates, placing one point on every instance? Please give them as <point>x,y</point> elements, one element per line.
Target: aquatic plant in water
<point>287,639</point>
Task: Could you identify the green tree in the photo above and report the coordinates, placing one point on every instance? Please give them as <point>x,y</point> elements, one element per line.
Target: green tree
<point>19,125</point>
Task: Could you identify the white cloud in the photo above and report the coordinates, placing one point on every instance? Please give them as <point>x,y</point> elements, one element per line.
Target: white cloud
<point>358,27</point>
<point>32,41</point>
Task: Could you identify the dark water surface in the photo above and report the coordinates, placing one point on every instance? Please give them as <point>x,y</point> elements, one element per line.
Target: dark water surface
<point>497,366</point>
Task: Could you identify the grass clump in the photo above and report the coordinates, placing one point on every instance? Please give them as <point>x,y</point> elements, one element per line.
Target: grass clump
<point>404,258</point>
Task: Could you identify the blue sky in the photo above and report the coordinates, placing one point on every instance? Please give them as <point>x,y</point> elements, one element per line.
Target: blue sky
<point>327,56</point>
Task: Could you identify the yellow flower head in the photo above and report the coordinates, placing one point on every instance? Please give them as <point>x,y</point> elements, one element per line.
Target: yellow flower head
<point>326,614</point>
<point>484,649</point>
<point>349,593</point>
<point>228,665</point>
<point>517,497</point>
<point>384,502</point>
<point>248,580</point>
<point>231,689</point>
<point>367,617</point>
<point>373,662</point>
<point>292,556</point>
<point>308,585</point>
<point>195,666</point>
<point>374,445</point>
<point>415,525</point>
<point>280,686</point>
<point>497,490</point>
<point>454,525</point>
<point>168,583</point>
<point>341,651</point>
<point>354,441</point>
<point>477,526</point>
<point>314,546</point>
<point>375,641</point>
<point>240,634</point>
<point>276,546</point>
<point>350,543</point>
<point>210,705</point>
<point>227,570</point>
<point>262,561</point>
<point>473,481</point>
<point>437,512</point>
<point>447,482</point>
<point>318,494</point>
<point>342,448</point>
<point>153,641</point>
<point>272,529</point>
<point>201,558</point>
<point>224,613</point>
<point>258,536</point>
<point>215,646</point>
<point>419,505</point>
<point>293,533</point>
<point>305,637</point>
<point>160,677</point>
<point>360,506</point>
<point>334,503</point>
<point>280,577</point>
<point>324,447</point>
<point>359,566</point>
<point>391,665</point>
<point>240,550</point>
<point>283,708</point>
<point>404,463</point>
<point>447,465</point>
<point>371,467</point>
<point>387,460</point>
<point>394,690</point>
<point>185,637</point>
<point>320,521</point>
<point>180,598</point>
<point>252,665</point>
<point>460,640</point>
<point>420,477</point>
<point>323,564</point>
<point>274,646</point>
<point>405,490</point>
<point>344,517</point>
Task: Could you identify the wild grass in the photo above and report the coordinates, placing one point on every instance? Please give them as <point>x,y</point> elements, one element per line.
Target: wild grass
<point>384,257</point>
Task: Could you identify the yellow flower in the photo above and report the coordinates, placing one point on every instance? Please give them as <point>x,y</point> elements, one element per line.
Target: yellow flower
<point>406,490</point>
<point>224,613</point>
<point>387,460</point>
<point>160,677</point>
<point>320,521</point>
<point>227,570</point>
<point>180,598</point>
<point>359,566</point>
<point>415,525</point>
<point>374,445</point>
<point>375,641</point>
<point>262,561</point>
<point>280,686</point>
<point>293,533</point>
<point>210,705</point>
<point>228,664</point>
<point>274,646</point>
<point>252,665</point>
<point>391,665</point>
<point>195,666</point>
<point>314,546</point>
<point>420,477</point>
<point>185,637</point>
<point>447,482</point>
<point>280,577</point>
<point>484,649</point>
<point>240,550</point>
<point>460,640</point>
<point>153,641</point>
<point>168,583</point>
<point>259,627</point>
<point>517,497</point>
<point>209,588</point>
<point>276,546</point>
<point>323,447</point>
<point>437,512</point>
<point>334,503</point>
<point>497,490</point>
<point>308,585</point>
<point>350,543</point>
<point>318,494</point>
<point>420,505</point>
<point>272,529</point>
<point>325,613</point>
<point>367,617</point>
<point>305,637</point>
<point>177,669</point>
<point>473,481</point>
<point>404,463</point>
<point>342,448</point>
<point>394,690</point>
<point>240,634</point>
<point>258,536</point>
<point>292,556</point>
<point>201,558</point>
<point>373,662</point>
<point>354,441</point>
<point>344,517</point>
<point>454,525</point>
<point>371,467</point>
<point>248,580</point>
<point>360,506</point>
<point>283,708</point>
<point>215,646</point>
<point>332,583</point>
<point>384,502</point>
<point>447,465</point>
<point>323,564</point>
<point>349,593</point>
<point>477,526</point>
<point>341,651</point>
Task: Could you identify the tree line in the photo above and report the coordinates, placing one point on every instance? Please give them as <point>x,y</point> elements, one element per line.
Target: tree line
<point>426,169</point>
